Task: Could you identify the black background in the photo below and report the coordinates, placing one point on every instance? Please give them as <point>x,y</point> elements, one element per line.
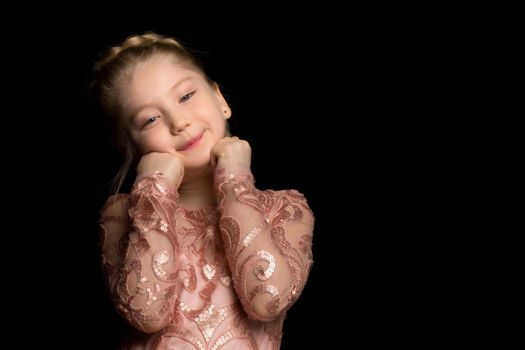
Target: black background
<point>279,83</point>
<point>312,95</point>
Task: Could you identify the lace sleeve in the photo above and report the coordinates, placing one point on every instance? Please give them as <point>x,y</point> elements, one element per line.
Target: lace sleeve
<point>268,237</point>
<point>139,253</point>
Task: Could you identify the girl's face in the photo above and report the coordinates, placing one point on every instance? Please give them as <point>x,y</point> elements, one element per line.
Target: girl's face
<point>171,108</point>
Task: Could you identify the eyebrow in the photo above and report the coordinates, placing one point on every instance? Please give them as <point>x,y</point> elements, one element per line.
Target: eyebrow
<point>136,111</point>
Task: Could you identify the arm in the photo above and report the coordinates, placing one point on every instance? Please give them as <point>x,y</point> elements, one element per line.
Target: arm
<point>267,237</point>
<point>139,252</point>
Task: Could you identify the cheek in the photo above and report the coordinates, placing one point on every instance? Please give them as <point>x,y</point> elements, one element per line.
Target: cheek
<point>219,131</point>
<point>220,124</point>
<point>152,142</point>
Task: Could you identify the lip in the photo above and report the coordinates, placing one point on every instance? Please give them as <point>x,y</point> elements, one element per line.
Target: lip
<point>191,143</point>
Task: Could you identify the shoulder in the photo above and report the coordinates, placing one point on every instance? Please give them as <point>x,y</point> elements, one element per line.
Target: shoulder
<point>288,195</point>
<point>289,198</point>
<point>115,205</point>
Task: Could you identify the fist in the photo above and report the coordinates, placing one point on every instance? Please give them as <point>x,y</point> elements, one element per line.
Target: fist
<point>231,152</point>
<point>170,165</point>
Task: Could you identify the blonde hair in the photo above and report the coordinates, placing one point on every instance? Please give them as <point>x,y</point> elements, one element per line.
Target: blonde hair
<point>111,72</point>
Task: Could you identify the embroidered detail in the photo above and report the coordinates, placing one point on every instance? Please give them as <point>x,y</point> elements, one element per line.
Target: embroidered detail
<point>231,234</point>
<point>253,233</point>
<point>163,226</point>
<point>162,189</point>
<point>266,274</point>
<point>159,289</point>
<point>226,280</point>
<point>209,320</point>
<point>161,258</point>
<point>197,342</point>
<point>272,290</point>
<point>223,339</point>
<point>183,307</point>
<point>190,282</point>
<point>154,293</point>
<point>209,271</point>
<point>210,232</point>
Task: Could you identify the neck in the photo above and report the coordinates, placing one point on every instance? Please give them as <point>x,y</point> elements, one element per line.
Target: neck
<point>196,190</point>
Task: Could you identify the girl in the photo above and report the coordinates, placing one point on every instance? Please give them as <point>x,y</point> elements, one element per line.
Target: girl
<point>195,255</point>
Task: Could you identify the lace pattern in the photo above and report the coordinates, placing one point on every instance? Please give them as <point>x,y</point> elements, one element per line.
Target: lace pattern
<point>201,277</point>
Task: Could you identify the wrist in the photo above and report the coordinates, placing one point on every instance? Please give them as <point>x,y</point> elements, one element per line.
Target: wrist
<point>168,182</point>
<point>233,167</point>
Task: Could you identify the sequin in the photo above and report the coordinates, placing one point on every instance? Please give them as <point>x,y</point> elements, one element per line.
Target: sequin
<point>164,286</point>
<point>271,264</point>
<point>161,188</point>
<point>239,190</point>
<point>223,339</point>
<point>182,307</point>
<point>209,271</point>
<point>197,342</point>
<point>209,320</point>
<point>226,280</point>
<point>272,290</point>
<point>160,259</point>
<point>253,233</point>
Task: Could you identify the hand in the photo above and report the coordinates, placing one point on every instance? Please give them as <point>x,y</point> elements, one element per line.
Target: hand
<point>231,152</point>
<point>170,165</point>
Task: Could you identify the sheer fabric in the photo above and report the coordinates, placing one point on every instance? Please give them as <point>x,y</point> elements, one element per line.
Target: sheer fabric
<point>215,278</point>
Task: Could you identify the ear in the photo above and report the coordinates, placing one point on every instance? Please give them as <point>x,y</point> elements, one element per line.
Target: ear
<point>226,111</point>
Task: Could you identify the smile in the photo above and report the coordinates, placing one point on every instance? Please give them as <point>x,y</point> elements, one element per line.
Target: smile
<point>191,143</point>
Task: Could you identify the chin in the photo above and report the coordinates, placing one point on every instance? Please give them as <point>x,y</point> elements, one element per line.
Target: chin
<point>197,162</point>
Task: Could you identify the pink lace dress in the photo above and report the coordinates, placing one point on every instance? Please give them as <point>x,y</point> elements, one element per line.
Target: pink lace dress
<point>216,278</point>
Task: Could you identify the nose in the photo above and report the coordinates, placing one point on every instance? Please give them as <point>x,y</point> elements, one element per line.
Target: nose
<point>178,124</point>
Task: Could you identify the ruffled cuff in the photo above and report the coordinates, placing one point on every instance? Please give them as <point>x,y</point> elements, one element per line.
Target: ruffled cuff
<point>152,204</point>
<point>157,179</point>
<point>234,181</point>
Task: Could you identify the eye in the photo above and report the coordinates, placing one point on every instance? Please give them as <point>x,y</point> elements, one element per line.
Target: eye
<point>151,120</point>
<point>187,96</point>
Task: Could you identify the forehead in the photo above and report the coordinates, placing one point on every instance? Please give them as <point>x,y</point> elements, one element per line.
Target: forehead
<point>155,76</point>
<point>157,70</point>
